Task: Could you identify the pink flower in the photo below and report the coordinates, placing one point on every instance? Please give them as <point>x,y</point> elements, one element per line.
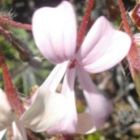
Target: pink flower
<point>55,31</point>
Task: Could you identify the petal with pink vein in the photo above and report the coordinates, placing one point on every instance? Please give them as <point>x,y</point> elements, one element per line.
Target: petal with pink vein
<point>103,47</point>
<point>54,31</point>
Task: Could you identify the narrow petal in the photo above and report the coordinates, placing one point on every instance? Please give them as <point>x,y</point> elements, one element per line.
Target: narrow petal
<point>6,114</point>
<point>54,31</point>
<point>19,132</point>
<point>103,47</point>
<point>55,76</point>
<point>99,106</point>
<point>53,79</point>
<point>84,124</point>
<point>51,111</point>
<point>68,123</point>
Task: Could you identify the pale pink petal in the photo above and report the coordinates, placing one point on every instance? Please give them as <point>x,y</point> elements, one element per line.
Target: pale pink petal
<point>97,31</point>
<point>2,133</point>
<point>52,111</point>
<point>19,132</point>
<point>6,114</point>
<point>103,47</point>
<point>85,123</point>
<point>99,106</point>
<point>54,31</point>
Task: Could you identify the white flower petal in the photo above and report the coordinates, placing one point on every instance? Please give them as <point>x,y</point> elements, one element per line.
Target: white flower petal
<point>2,133</point>
<point>6,114</point>
<point>42,101</point>
<point>67,124</point>
<point>51,111</point>
<point>54,31</point>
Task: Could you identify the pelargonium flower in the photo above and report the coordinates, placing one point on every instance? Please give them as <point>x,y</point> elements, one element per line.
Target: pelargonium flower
<point>55,34</point>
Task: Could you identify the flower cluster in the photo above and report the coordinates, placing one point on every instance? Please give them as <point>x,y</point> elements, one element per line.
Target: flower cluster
<point>55,34</point>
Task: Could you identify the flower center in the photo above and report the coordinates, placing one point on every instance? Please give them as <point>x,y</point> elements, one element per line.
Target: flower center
<point>72,63</point>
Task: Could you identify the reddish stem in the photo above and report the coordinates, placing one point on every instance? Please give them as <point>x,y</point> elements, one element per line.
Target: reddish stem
<point>84,23</point>
<point>8,21</point>
<point>10,89</point>
<point>133,57</point>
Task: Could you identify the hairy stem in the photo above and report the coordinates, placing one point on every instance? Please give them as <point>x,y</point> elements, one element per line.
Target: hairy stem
<point>10,89</point>
<point>7,21</point>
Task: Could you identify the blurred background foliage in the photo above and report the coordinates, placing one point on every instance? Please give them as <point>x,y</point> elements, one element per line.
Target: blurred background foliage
<point>124,123</point>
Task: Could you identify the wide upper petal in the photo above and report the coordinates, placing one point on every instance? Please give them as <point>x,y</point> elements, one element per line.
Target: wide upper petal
<point>51,111</point>
<point>6,114</point>
<point>54,31</point>
<point>99,106</point>
<point>103,47</point>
